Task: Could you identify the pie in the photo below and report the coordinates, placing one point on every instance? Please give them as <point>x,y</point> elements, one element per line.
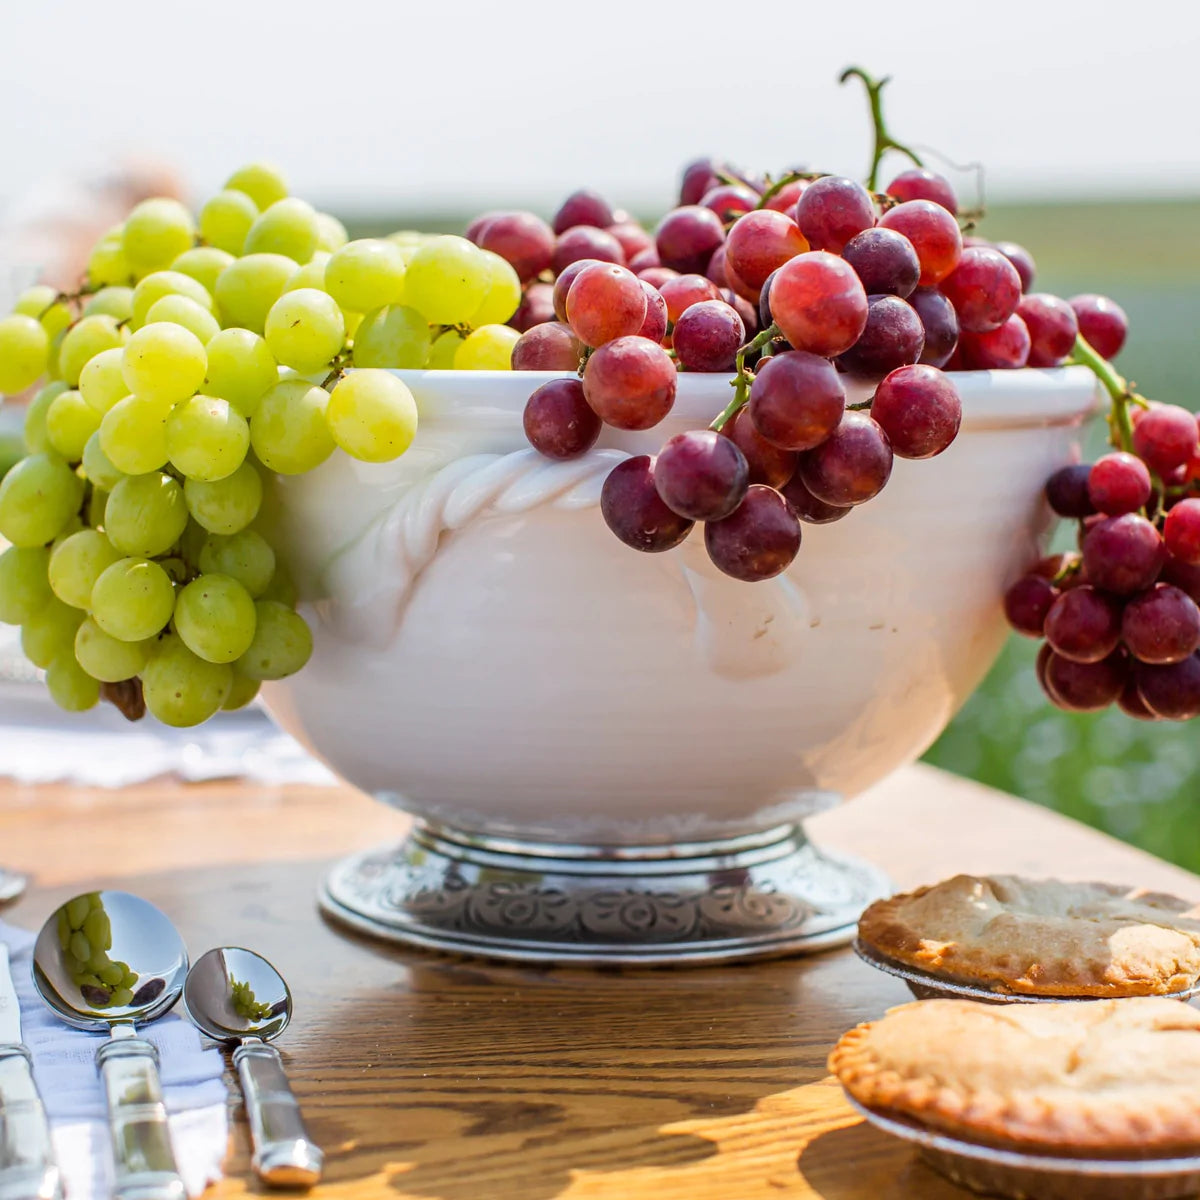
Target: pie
<point>1114,1078</point>
<point>1040,937</point>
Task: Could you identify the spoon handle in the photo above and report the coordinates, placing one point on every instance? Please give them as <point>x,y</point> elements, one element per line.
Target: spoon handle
<point>137,1120</point>
<point>284,1154</point>
<point>27,1165</point>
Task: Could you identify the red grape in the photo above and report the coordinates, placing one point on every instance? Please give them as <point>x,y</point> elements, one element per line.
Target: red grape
<point>744,309</point>
<point>644,259</point>
<point>934,234</point>
<point>584,241</point>
<point>605,302</point>
<point>1067,491</point>
<point>884,260</point>
<point>784,200</point>
<point>831,210</point>
<point>1003,349</point>
<point>701,475</point>
<point>1102,322</point>
<point>1021,259</point>
<point>654,326</point>
<point>525,240</point>
<point>729,200</point>
<point>686,238</point>
<point>1181,532</point>
<point>630,383</point>
<point>819,303</point>
<point>917,183</point>
<point>758,540</point>
<point>1123,554</point>
<point>919,409</point>
<point>893,337</point>
<point>1027,602</point>
<point>562,285</point>
<point>984,288</point>
<point>1084,687</point>
<point>559,422</point>
<point>941,325</point>
<point>707,336</point>
<point>682,291</point>
<point>1052,328</point>
<point>1171,691</point>
<point>633,238</point>
<point>699,177</point>
<point>1184,575</point>
<point>796,400</point>
<point>716,267</point>
<point>769,464</point>
<point>634,511</point>
<point>547,347</point>
<point>1118,483</point>
<point>537,307</point>
<point>1161,625</point>
<point>582,208</point>
<point>760,242</point>
<point>1130,702</point>
<point>1083,625</point>
<point>1164,437</point>
<point>738,284</point>
<point>851,465</point>
<point>807,507</point>
<point>479,223</point>
<point>657,276</point>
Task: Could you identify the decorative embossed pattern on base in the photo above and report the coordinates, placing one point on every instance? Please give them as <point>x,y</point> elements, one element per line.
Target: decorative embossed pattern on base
<point>750,897</point>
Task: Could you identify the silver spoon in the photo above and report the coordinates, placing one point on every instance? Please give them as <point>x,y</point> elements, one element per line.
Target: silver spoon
<point>109,961</point>
<point>235,995</point>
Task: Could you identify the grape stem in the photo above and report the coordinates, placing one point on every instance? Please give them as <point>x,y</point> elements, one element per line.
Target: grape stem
<point>883,139</point>
<point>743,378</point>
<point>861,406</point>
<point>1122,396</point>
<point>779,184</point>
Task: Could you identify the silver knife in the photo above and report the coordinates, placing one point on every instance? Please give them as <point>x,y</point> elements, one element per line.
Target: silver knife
<point>27,1167</point>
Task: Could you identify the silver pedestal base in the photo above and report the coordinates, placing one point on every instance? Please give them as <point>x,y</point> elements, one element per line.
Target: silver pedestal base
<point>768,894</point>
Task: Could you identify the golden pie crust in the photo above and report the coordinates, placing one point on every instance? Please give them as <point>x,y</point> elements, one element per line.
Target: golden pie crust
<point>1119,1077</point>
<point>1041,937</point>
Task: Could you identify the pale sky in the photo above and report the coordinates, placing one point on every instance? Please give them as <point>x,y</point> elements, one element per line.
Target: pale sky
<point>370,104</point>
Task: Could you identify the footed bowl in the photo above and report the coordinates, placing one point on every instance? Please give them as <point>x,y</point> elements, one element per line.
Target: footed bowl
<point>609,754</point>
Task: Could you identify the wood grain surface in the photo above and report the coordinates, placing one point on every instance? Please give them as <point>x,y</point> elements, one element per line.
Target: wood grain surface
<point>432,1078</point>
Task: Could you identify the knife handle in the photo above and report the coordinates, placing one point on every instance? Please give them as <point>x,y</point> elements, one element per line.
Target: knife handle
<point>137,1120</point>
<point>284,1154</point>
<point>27,1166</point>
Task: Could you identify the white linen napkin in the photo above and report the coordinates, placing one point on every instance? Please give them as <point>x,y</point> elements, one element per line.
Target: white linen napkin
<point>64,1065</point>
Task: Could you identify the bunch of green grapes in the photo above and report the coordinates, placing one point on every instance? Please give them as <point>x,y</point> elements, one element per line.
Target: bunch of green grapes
<point>199,358</point>
<point>85,935</point>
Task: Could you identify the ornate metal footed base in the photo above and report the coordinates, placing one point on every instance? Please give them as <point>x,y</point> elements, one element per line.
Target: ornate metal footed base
<point>768,894</point>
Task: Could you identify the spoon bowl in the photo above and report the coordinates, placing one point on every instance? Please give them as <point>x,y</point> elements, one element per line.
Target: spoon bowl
<point>233,994</point>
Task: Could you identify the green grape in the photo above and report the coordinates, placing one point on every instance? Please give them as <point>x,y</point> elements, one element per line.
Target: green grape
<point>77,911</point>
<point>447,279</point>
<point>311,275</point>
<point>133,435</point>
<point>331,233</point>
<point>97,501</point>
<point>70,421</point>
<point>192,544</point>
<point>34,430</point>
<point>503,296</point>
<point>89,337</point>
<point>37,499</point>
<point>282,587</point>
<point>180,688</point>
<point>207,438</point>
<point>203,263</point>
<point>182,311</point>
<point>108,658</point>
<point>81,947</point>
<point>133,599</point>
<point>444,349</point>
<point>215,616</point>
<point>24,586</point>
<point>282,643</point>
<point>287,227</point>
<point>246,557</point>
<point>43,305</point>
<point>24,352</point>
<point>53,359</point>
<point>77,562</point>
<point>262,183</point>
<point>489,348</point>
<point>98,467</point>
<point>305,329</point>
<point>248,287</point>
<point>240,369</point>
<point>102,381</point>
<point>366,274</point>
<point>164,362</point>
<point>107,265</point>
<point>241,693</point>
<point>111,975</point>
<point>166,283</point>
<point>70,686</point>
<point>288,431</point>
<point>155,233</point>
<point>372,415</point>
<point>226,219</point>
<point>121,997</point>
<point>145,516</point>
<point>228,505</point>
<point>112,301</point>
<point>353,321</point>
<point>395,336</point>
<point>12,450</point>
<point>50,632</point>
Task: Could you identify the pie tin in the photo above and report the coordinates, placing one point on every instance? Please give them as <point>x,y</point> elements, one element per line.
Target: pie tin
<point>1021,1176</point>
<point>927,986</point>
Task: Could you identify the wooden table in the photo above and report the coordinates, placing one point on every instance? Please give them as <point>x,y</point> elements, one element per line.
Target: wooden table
<point>430,1078</point>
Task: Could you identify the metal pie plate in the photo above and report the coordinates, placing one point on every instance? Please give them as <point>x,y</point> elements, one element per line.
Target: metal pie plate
<point>1023,1176</point>
<point>927,986</point>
